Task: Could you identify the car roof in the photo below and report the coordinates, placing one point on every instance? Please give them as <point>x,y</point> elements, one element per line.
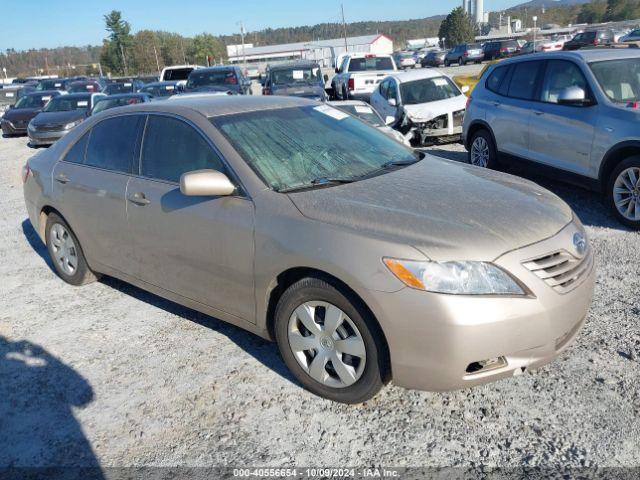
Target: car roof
<point>161,84</point>
<point>78,96</point>
<point>411,75</point>
<point>42,92</point>
<point>124,95</point>
<point>289,65</point>
<point>219,105</point>
<point>217,67</point>
<point>586,55</point>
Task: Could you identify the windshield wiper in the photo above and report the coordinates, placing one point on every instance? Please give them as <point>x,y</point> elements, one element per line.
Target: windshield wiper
<point>317,182</point>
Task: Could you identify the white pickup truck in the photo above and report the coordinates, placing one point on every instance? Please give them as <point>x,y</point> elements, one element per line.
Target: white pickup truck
<point>358,75</point>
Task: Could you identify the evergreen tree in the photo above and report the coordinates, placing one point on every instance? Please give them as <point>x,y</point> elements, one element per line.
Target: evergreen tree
<point>457,28</point>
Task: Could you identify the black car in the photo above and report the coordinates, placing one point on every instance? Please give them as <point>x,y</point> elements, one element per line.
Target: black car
<point>297,79</point>
<point>17,118</point>
<point>218,79</point>
<point>53,84</point>
<point>500,49</point>
<point>125,86</point>
<point>162,89</point>
<point>434,58</point>
<point>592,38</point>
<point>119,100</point>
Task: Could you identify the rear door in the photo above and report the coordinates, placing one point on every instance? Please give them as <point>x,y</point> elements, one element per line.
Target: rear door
<point>90,187</point>
<point>509,113</point>
<point>561,135</point>
<point>201,248</point>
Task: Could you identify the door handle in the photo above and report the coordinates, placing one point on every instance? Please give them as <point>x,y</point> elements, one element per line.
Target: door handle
<point>538,112</point>
<point>62,178</point>
<point>139,199</point>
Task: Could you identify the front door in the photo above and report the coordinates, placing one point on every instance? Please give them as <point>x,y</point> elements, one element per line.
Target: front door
<point>201,248</point>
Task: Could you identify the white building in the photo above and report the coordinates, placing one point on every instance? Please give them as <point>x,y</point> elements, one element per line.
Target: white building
<point>475,9</point>
<point>323,51</point>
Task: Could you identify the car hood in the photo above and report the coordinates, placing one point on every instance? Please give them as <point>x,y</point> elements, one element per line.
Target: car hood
<point>445,209</point>
<point>20,114</point>
<point>44,118</point>
<point>423,112</point>
<point>312,91</point>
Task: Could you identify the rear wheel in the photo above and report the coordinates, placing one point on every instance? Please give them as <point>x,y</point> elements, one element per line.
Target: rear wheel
<point>623,192</point>
<point>326,338</point>
<point>66,253</point>
<point>482,152</point>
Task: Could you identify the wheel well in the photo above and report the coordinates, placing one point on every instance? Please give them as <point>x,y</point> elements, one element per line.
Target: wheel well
<point>613,158</point>
<point>42,220</point>
<point>291,276</point>
<point>473,129</point>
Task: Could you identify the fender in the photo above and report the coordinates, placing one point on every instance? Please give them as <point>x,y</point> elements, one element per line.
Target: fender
<point>615,154</point>
<point>475,126</point>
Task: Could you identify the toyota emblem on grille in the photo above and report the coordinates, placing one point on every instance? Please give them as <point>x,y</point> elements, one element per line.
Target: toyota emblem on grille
<point>580,243</point>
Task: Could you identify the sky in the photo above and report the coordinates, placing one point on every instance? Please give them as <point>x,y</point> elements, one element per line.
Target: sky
<point>28,24</point>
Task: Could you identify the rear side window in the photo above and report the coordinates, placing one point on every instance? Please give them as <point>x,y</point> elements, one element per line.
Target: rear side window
<point>171,147</point>
<point>495,80</point>
<point>76,154</point>
<point>523,80</point>
<point>112,143</point>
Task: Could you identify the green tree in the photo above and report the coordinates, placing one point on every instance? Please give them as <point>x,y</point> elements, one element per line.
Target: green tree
<point>117,46</point>
<point>457,28</point>
<point>203,45</point>
<point>593,12</point>
<point>622,10</point>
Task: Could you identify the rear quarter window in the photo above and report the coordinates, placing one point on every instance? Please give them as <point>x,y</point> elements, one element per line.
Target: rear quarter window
<point>76,153</point>
<point>524,80</point>
<point>496,79</point>
<point>112,143</point>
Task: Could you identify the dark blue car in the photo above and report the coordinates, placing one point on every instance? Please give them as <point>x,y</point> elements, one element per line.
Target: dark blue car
<point>299,79</point>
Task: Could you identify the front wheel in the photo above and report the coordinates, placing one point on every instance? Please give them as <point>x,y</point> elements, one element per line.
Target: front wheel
<point>482,152</point>
<point>329,342</point>
<point>623,192</point>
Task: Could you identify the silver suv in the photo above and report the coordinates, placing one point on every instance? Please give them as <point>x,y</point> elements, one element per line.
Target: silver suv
<point>570,112</point>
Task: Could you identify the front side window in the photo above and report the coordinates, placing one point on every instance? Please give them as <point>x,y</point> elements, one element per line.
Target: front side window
<point>561,74</point>
<point>294,148</point>
<point>428,90</point>
<point>619,79</point>
<point>393,90</point>
<point>112,143</point>
<point>384,88</point>
<point>523,80</point>
<point>171,147</point>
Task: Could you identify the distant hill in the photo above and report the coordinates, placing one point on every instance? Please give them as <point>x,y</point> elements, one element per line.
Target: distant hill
<point>550,3</point>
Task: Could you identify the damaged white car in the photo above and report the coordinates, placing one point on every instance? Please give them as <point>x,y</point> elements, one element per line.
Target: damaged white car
<point>425,105</point>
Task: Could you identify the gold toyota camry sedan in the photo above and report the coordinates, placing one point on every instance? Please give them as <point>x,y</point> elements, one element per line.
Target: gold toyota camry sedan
<point>365,261</point>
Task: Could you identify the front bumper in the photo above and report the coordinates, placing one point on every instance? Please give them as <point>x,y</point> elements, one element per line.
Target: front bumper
<point>8,128</point>
<point>45,137</point>
<point>433,339</point>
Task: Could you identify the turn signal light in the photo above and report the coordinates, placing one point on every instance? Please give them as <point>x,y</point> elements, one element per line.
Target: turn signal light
<point>403,274</point>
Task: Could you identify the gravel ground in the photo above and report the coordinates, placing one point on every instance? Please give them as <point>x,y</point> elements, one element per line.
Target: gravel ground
<point>110,375</point>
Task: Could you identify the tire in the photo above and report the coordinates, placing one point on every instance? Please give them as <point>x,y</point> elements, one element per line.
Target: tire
<point>319,296</point>
<point>345,95</point>
<point>462,62</point>
<point>482,150</point>
<point>66,253</point>
<point>447,63</point>
<point>623,196</point>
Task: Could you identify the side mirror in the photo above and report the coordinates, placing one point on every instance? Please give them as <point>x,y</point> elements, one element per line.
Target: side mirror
<point>208,183</point>
<point>11,107</point>
<point>465,89</point>
<point>393,102</point>
<point>337,70</point>
<point>389,120</point>
<point>572,96</point>
<point>326,78</point>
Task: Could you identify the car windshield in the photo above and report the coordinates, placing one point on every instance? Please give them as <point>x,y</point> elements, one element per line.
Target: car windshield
<point>65,104</point>
<point>363,112</point>
<point>114,88</point>
<point>159,90</point>
<point>370,63</point>
<point>107,103</point>
<point>177,73</point>
<point>83,87</point>
<point>619,79</point>
<point>8,97</point>
<point>428,90</point>
<point>296,76</point>
<point>296,148</point>
<point>217,78</point>
<point>33,101</point>
<point>54,84</point>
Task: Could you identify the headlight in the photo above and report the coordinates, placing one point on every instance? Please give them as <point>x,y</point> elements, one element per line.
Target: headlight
<point>461,278</point>
<point>72,124</point>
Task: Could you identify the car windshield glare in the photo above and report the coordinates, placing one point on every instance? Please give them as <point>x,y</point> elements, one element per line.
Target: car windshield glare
<point>290,148</point>
<point>428,90</point>
<point>108,103</point>
<point>32,101</point>
<point>65,104</point>
<point>619,79</point>
<point>302,75</point>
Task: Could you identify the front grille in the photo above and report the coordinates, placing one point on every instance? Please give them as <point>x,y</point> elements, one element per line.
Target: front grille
<point>561,270</point>
<point>458,118</point>
<point>48,128</point>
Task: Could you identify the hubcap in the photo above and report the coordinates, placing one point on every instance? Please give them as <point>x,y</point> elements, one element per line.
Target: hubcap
<point>64,249</point>
<point>626,193</point>
<point>480,153</point>
<point>326,344</point>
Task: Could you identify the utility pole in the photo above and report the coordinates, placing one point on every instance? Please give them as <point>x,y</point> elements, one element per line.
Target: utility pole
<point>124,60</point>
<point>155,52</point>
<point>244,56</point>
<point>344,29</point>
<point>535,21</point>
<point>184,57</point>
